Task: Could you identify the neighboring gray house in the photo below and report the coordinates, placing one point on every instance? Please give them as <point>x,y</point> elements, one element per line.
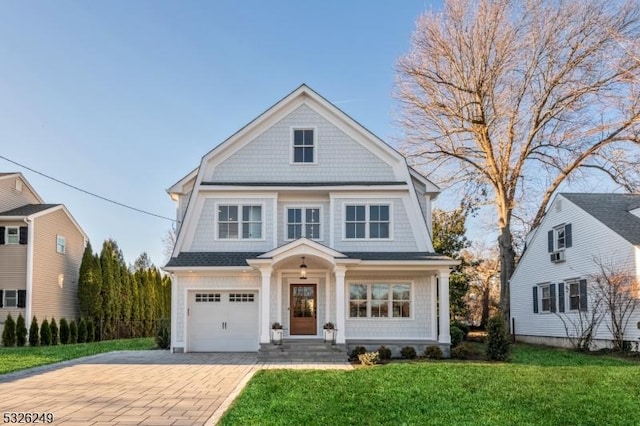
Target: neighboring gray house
<point>305,184</point>
<point>41,247</point>
<point>555,276</point>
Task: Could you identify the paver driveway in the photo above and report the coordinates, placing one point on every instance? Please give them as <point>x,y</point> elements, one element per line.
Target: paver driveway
<point>141,387</point>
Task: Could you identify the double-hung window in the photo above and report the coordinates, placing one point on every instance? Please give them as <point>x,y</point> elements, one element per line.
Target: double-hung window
<point>380,300</point>
<point>304,146</point>
<point>10,298</point>
<point>61,244</point>
<point>560,238</point>
<point>239,222</point>
<point>545,297</point>
<point>367,221</point>
<point>303,222</point>
<point>13,235</point>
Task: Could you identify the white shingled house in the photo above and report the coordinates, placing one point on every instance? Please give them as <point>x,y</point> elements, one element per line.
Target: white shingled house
<point>557,274</point>
<point>304,217</point>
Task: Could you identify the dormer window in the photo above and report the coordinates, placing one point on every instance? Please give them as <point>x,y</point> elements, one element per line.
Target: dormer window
<point>304,146</point>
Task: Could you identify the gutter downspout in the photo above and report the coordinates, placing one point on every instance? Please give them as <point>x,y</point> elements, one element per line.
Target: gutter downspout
<point>31,232</point>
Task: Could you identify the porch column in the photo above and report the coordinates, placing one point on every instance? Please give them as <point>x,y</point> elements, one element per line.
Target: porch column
<point>265,302</point>
<point>443,292</point>
<point>340,272</point>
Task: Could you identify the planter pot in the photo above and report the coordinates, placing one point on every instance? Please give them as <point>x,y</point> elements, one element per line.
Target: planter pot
<point>329,335</point>
<point>276,336</point>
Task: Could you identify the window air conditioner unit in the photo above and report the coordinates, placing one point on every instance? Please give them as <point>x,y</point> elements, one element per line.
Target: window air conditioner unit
<point>557,256</point>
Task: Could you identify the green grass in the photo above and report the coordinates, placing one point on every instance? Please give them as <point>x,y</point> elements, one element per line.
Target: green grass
<point>14,359</point>
<point>540,386</point>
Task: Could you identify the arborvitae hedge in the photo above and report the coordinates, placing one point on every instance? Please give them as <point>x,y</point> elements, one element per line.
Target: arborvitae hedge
<point>54,331</point>
<point>34,336</point>
<point>21,331</point>
<point>82,331</point>
<point>64,331</point>
<point>91,331</point>
<point>45,333</point>
<point>9,332</point>
<point>73,332</point>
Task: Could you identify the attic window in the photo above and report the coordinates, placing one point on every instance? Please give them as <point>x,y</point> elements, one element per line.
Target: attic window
<point>304,146</point>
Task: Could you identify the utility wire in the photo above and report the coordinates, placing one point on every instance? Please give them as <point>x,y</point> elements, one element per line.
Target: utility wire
<point>88,192</point>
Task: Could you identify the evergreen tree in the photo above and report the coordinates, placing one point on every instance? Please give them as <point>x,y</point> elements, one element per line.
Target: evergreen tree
<point>91,332</point>
<point>90,285</point>
<point>64,331</point>
<point>21,331</point>
<point>34,337</point>
<point>497,339</point>
<point>54,331</point>
<point>45,333</point>
<point>82,331</point>
<point>73,332</point>
<point>9,332</point>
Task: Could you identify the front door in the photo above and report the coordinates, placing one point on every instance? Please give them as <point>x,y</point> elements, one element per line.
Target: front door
<point>303,309</point>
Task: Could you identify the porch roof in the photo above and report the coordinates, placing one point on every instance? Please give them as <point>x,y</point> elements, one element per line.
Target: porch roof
<point>223,259</point>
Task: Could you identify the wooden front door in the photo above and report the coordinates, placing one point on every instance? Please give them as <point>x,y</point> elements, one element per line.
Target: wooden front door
<point>303,309</point>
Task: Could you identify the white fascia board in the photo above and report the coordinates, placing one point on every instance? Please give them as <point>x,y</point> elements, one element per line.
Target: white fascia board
<point>66,211</point>
<point>341,188</point>
<point>404,265</point>
<point>178,187</point>
<point>177,269</point>
<point>311,245</point>
<point>414,212</point>
<point>26,182</point>
<point>431,188</point>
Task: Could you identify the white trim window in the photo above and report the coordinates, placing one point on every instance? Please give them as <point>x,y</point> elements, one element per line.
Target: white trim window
<point>367,221</point>
<point>303,147</point>
<point>13,235</point>
<point>545,298</point>
<point>233,227</point>
<point>303,222</point>
<point>380,300</point>
<point>10,299</point>
<point>61,244</point>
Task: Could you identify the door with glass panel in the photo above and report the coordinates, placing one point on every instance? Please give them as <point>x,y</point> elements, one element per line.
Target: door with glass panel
<point>303,309</point>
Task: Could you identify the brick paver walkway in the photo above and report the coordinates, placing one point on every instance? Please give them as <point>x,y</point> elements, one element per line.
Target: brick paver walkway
<point>134,388</point>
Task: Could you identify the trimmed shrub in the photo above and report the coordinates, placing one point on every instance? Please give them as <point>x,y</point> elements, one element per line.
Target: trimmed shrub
<point>73,332</point>
<point>457,335</point>
<point>497,339</point>
<point>369,358</point>
<point>82,331</point>
<point>462,326</point>
<point>21,331</point>
<point>462,351</point>
<point>45,333</point>
<point>384,353</point>
<point>91,331</point>
<point>64,331</point>
<point>408,352</point>
<point>9,332</point>
<point>433,352</point>
<point>34,337</point>
<point>53,326</point>
<point>163,336</point>
<point>358,350</point>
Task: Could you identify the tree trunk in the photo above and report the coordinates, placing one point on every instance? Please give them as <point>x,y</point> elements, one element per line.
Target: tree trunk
<point>507,265</point>
<point>486,303</point>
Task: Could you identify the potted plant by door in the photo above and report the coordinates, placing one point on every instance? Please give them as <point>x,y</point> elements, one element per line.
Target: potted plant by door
<point>329,332</point>
<point>276,333</point>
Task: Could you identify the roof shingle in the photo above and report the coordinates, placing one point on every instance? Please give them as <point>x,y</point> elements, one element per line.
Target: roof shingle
<point>27,209</point>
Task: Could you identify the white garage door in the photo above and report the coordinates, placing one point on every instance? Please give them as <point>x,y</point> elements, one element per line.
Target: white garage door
<point>223,321</point>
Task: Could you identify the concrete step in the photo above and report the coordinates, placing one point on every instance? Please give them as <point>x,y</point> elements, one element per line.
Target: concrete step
<point>302,351</point>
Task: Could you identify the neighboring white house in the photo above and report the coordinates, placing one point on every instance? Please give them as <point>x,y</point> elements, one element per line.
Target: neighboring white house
<point>305,184</point>
<point>556,275</point>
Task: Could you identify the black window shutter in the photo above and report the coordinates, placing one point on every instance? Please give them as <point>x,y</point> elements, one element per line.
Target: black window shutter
<point>552,294</point>
<point>550,241</point>
<point>583,295</point>
<point>22,298</point>
<point>1,299</point>
<point>1,234</point>
<point>535,299</point>
<point>568,240</point>
<point>560,297</point>
<point>23,234</point>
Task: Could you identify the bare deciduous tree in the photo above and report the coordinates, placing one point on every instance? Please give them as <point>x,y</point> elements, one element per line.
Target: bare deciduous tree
<point>483,269</point>
<point>515,98</point>
<point>616,287</point>
<point>581,325</point>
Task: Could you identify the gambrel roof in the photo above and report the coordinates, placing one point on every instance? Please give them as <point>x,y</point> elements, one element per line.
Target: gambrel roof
<point>613,210</point>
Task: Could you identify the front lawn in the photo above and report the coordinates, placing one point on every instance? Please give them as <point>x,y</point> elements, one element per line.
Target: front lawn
<point>14,359</point>
<point>539,386</point>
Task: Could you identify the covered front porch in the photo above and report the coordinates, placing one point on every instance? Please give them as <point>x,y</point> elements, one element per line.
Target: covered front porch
<point>370,298</point>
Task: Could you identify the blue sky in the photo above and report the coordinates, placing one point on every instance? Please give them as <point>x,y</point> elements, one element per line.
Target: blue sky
<point>122,98</point>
